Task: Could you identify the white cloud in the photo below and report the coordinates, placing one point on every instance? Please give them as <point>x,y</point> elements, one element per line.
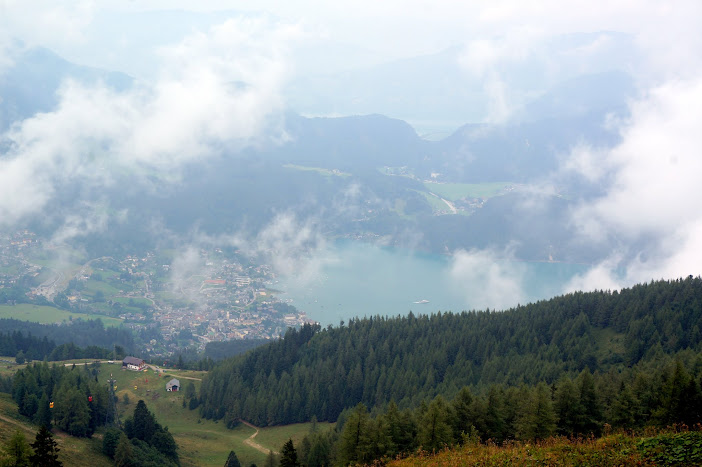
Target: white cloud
<point>488,279</point>
<point>219,90</point>
<point>293,247</point>
<point>652,190</point>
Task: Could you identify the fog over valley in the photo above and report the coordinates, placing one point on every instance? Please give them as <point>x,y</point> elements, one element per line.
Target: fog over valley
<point>447,224</point>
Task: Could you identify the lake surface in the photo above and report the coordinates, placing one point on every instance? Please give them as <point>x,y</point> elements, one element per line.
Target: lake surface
<point>361,279</point>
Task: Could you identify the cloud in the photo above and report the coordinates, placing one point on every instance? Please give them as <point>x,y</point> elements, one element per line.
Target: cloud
<point>90,217</point>
<point>292,247</point>
<point>488,279</point>
<point>185,265</point>
<point>650,206</point>
<point>218,91</point>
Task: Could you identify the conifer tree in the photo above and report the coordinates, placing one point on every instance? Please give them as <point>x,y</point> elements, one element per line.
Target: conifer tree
<point>18,451</point>
<point>463,417</point>
<point>537,419</point>
<point>232,460</point>
<point>569,410</point>
<point>434,428</point>
<point>45,449</point>
<point>592,413</point>
<point>124,455</point>
<point>354,437</point>
<point>288,455</point>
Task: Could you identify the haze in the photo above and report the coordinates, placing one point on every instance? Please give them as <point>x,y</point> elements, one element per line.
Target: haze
<point>266,130</point>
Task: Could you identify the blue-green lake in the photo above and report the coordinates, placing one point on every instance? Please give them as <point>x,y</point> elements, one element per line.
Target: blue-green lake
<point>360,279</point>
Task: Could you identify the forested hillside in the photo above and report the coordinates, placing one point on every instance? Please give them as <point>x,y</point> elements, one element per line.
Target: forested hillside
<point>315,372</point>
<point>81,333</point>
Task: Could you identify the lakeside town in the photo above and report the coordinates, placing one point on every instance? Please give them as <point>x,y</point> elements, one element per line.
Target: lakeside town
<point>187,298</point>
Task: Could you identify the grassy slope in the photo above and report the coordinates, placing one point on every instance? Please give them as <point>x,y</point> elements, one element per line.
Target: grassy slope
<point>200,441</point>
<point>74,452</point>
<point>47,314</point>
<point>275,436</point>
<point>613,450</point>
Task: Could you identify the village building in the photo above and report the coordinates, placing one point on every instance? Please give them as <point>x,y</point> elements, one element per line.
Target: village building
<point>133,363</point>
<point>173,385</point>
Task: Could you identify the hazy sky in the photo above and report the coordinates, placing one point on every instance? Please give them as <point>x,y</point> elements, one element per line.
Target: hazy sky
<point>494,30</point>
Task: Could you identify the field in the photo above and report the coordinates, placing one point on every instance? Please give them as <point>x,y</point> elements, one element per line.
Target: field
<point>47,314</point>
<point>200,441</point>
<point>319,170</point>
<point>274,437</point>
<point>456,191</point>
<point>437,205</point>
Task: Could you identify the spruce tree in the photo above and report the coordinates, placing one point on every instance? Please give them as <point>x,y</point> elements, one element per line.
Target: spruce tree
<point>232,460</point>
<point>589,400</point>
<point>45,449</point>
<point>288,455</point>
<point>569,410</point>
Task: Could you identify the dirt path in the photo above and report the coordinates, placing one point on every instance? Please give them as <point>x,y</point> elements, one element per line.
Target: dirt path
<point>20,425</point>
<point>250,440</point>
<point>173,372</point>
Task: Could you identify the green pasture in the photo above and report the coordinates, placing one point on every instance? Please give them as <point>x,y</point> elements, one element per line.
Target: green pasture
<point>47,314</point>
<point>436,204</point>
<point>275,436</point>
<point>200,441</point>
<point>456,191</point>
<point>319,170</point>
<point>134,300</point>
<point>92,286</point>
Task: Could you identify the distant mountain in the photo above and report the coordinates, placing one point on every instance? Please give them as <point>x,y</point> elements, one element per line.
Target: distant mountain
<point>448,88</point>
<point>355,175</point>
<point>30,84</point>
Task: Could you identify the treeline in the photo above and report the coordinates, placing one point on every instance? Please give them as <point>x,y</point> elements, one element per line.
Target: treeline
<point>225,349</point>
<point>315,372</point>
<point>28,347</point>
<point>82,333</point>
<point>580,406</point>
<point>70,398</point>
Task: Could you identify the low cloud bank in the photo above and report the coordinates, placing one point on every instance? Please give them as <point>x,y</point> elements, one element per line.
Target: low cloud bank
<point>650,210</point>
<point>218,91</point>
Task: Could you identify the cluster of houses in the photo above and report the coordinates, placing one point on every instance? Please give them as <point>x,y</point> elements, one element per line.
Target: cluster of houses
<point>137,364</point>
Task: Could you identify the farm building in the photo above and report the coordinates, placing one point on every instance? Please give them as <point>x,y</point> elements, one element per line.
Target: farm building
<point>173,385</point>
<point>133,363</point>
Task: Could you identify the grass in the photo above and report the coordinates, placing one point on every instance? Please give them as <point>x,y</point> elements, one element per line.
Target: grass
<point>456,191</point>
<point>135,300</point>
<point>47,314</point>
<point>666,447</point>
<point>92,286</point>
<point>200,441</point>
<point>76,452</point>
<point>319,170</point>
<point>436,204</point>
<point>274,437</point>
